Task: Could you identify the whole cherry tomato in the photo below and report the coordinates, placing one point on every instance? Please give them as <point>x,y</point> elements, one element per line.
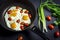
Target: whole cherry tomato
<point>51,26</point>
<point>48,18</point>
<point>57,34</point>
<point>20,37</point>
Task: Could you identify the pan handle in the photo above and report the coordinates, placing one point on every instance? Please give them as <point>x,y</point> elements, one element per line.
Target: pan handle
<point>38,32</point>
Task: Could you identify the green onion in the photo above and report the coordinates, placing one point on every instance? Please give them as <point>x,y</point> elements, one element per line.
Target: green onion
<point>42,18</point>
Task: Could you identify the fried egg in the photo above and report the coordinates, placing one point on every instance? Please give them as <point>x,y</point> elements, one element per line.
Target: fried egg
<point>13,18</point>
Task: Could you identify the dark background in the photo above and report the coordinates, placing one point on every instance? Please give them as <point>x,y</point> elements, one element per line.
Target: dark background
<point>29,35</point>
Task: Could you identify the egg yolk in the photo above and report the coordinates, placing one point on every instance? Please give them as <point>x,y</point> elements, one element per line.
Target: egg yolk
<point>13,25</point>
<point>13,13</point>
<point>25,17</point>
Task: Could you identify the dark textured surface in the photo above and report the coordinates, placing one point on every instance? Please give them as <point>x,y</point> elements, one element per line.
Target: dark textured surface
<point>29,35</point>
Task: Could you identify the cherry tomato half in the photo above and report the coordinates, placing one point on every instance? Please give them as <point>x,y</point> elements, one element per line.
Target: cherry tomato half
<point>9,11</point>
<point>18,21</point>
<point>9,18</point>
<point>17,7</point>
<point>22,27</point>
<point>29,15</point>
<point>26,24</point>
<point>22,23</point>
<point>26,11</point>
<point>21,11</point>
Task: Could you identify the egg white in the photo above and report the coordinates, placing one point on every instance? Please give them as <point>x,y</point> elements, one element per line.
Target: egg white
<point>26,21</point>
<point>14,19</point>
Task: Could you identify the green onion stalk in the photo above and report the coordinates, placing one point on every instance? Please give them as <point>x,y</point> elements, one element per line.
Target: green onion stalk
<point>42,18</point>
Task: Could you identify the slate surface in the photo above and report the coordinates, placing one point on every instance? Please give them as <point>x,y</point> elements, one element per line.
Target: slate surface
<point>29,35</point>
